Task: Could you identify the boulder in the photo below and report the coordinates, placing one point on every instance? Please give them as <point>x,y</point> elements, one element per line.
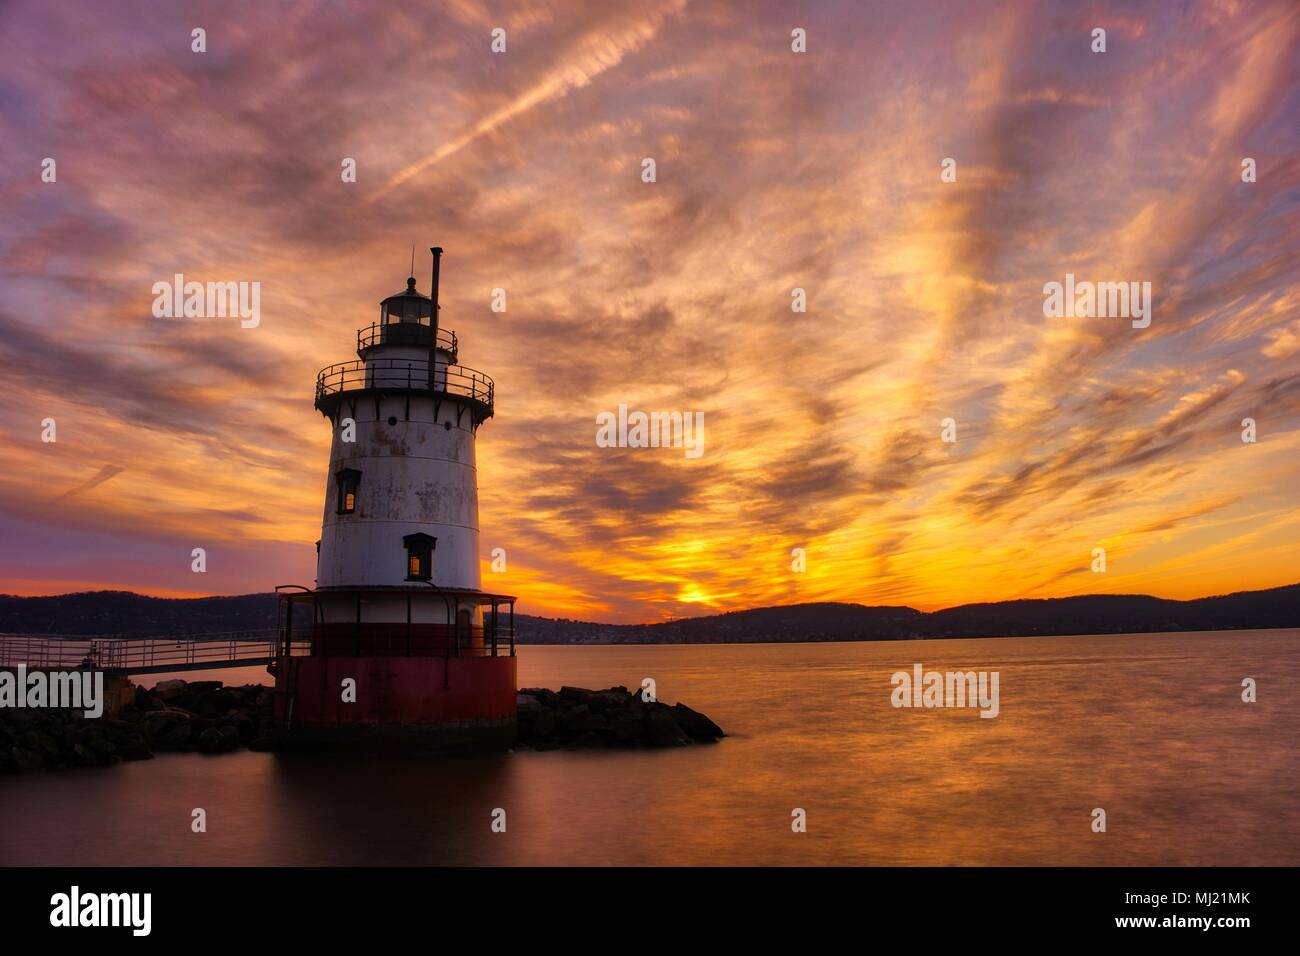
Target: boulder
<point>613,699</point>
<point>545,724</point>
<point>135,748</point>
<point>695,724</point>
<point>24,759</point>
<point>627,729</point>
<point>169,689</point>
<point>218,740</point>
<point>584,724</point>
<point>662,731</point>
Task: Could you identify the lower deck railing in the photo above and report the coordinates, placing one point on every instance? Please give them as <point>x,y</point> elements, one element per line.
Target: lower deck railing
<point>143,655</point>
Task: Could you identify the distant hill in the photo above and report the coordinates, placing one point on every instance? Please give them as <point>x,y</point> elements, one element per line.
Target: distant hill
<point>797,623</point>
<point>125,613</point>
<point>793,622</point>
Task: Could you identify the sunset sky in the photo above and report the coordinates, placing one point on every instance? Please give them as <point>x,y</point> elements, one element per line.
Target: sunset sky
<point>775,170</point>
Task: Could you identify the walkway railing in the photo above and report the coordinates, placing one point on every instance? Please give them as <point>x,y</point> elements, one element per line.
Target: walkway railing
<point>142,655</point>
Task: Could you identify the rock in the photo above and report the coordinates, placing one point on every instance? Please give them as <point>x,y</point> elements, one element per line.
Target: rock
<point>102,747</point>
<point>24,759</point>
<point>218,740</point>
<point>695,724</point>
<point>135,748</point>
<point>215,719</point>
<point>548,698</point>
<point>245,726</point>
<point>613,699</point>
<point>579,720</point>
<point>43,744</point>
<point>545,724</point>
<point>173,735</point>
<point>169,689</point>
<point>662,730</point>
<point>626,728</point>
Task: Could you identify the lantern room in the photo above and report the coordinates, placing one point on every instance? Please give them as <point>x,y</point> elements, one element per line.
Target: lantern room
<point>407,306</point>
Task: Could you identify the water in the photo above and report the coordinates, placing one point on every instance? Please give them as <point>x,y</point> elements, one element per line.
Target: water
<point>1149,727</point>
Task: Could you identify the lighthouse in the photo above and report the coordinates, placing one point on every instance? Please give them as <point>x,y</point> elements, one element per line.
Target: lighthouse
<point>406,649</point>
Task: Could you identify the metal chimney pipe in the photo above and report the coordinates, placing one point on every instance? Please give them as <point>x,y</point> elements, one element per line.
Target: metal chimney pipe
<point>433,318</point>
<point>433,289</point>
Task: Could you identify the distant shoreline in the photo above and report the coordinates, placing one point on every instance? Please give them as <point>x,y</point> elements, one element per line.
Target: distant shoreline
<point>105,614</point>
<point>901,640</point>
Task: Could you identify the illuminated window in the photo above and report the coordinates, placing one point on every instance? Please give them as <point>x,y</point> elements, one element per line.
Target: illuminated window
<point>348,480</point>
<point>419,556</point>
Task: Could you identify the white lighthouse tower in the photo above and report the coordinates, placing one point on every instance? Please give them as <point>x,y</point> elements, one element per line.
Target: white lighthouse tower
<point>398,604</point>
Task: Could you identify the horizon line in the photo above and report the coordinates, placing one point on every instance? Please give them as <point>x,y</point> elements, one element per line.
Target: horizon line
<point>675,620</point>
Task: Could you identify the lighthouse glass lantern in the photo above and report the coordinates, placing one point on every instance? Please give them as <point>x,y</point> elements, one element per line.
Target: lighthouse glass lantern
<point>398,605</point>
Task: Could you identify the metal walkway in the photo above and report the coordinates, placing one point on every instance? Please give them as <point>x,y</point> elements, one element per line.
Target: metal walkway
<point>152,655</point>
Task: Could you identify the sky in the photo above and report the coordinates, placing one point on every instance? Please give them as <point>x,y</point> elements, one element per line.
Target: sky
<point>775,170</point>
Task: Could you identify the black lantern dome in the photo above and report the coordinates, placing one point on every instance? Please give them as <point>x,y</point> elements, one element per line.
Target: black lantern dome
<point>406,306</point>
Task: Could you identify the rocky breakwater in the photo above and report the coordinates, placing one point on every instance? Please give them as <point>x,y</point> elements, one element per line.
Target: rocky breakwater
<point>176,715</point>
<point>575,718</point>
<point>204,715</point>
<point>208,717</point>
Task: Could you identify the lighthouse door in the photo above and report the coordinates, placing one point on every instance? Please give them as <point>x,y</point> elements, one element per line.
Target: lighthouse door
<point>464,619</point>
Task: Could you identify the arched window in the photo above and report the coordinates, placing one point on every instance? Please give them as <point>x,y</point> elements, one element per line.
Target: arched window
<point>419,556</point>
<point>348,480</point>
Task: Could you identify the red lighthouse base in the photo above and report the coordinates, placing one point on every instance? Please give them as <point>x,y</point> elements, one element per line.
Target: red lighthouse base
<point>406,703</point>
<point>385,685</point>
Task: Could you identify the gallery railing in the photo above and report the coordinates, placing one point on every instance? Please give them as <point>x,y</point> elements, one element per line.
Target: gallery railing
<point>406,333</point>
<point>405,375</point>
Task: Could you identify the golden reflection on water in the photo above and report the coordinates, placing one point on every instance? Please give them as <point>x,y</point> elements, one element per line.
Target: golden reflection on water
<point>1149,727</point>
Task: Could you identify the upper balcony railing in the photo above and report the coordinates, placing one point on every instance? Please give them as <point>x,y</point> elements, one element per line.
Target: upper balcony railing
<point>405,333</point>
<point>405,375</point>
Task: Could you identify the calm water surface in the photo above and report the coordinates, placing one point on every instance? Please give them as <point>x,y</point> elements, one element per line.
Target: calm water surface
<point>1149,727</point>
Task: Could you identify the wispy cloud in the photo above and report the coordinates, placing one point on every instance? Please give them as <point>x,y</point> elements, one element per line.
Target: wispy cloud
<point>775,170</point>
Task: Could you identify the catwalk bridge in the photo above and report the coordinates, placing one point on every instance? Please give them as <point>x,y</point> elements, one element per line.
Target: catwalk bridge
<point>146,655</point>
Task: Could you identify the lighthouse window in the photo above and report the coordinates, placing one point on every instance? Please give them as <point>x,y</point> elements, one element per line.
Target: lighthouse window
<point>419,556</point>
<point>348,480</point>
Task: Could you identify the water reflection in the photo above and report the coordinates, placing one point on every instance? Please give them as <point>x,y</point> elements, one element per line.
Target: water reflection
<point>1150,727</point>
